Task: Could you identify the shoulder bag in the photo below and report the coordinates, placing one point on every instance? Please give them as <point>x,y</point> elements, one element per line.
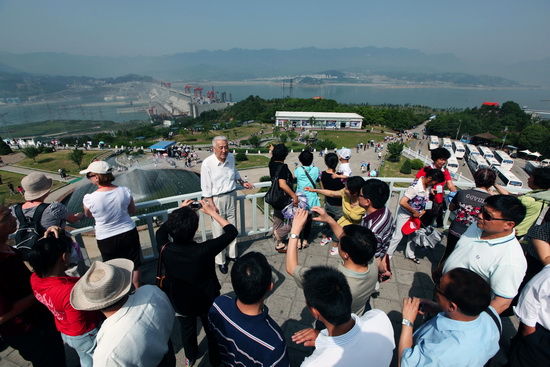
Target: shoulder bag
<point>275,196</point>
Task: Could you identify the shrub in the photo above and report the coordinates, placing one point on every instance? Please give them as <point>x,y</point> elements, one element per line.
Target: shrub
<point>322,144</point>
<point>241,157</point>
<point>265,179</point>
<point>4,148</point>
<point>406,167</point>
<point>417,164</point>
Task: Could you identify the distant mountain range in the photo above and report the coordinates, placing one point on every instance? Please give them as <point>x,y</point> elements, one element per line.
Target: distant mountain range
<point>242,64</point>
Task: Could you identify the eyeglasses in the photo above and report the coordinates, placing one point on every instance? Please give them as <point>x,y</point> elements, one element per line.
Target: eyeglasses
<point>488,217</point>
<point>90,175</point>
<point>438,290</point>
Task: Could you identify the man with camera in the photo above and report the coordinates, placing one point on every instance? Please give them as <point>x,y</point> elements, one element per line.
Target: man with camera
<point>219,179</point>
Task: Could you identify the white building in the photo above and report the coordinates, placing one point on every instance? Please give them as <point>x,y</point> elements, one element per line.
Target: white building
<point>327,120</point>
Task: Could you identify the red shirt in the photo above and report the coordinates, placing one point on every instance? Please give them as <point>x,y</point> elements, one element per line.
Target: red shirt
<point>438,196</point>
<point>55,293</point>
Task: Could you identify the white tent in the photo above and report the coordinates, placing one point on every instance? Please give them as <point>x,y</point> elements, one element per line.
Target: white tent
<point>536,154</point>
<point>526,151</point>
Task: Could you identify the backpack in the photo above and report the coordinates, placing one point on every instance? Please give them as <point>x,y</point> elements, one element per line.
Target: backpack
<point>30,230</point>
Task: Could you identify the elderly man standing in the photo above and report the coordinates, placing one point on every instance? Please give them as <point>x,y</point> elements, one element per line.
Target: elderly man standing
<point>219,179</point>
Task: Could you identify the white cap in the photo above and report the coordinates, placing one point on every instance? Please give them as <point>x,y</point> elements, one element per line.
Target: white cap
<point>100,167</point>
<point>344,153</point>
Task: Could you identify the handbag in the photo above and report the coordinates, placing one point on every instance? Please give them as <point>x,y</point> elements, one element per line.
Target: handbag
<point>161,277</point>
<point>275,196</point>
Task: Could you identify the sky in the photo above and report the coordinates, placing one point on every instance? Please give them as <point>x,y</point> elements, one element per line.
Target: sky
<point>487,31</point>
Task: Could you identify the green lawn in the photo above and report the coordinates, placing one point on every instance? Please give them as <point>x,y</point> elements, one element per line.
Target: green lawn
<point>253,161</point>
<point>54,161</point>
<point>200,138</point>
<point>15,179</point>
<point>391,169</point>
<point>349,139</point>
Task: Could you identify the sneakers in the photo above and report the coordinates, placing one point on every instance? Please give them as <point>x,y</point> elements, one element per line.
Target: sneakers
<point>324,241</point>
<point>334,251</point>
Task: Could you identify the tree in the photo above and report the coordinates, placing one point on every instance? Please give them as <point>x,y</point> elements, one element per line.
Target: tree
<point>76,156</point>
<point>395,150</point>
<point>254,141</point>
<point>31,152</point>
<point>4,148</point>
<point>283,138</point>
<point>406,167</point>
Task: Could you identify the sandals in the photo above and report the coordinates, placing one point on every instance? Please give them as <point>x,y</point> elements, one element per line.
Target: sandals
<point>414,260</point>
<point>281,249</point>
<point>304,245</point>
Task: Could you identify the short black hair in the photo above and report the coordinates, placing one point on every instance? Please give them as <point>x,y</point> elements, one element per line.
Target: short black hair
<point>306,157</point>
<point>326,289</point>
<point>279,153</point>
<point>509,206</point>
<point>251,277</point>
<point>439,153</point>
<point>331,160</point>
<point>354,184</point>
<point>470,292</point>
<point>359,243</point>
<point>182,224</point>
<point>45,253</point>
<point>485,177</point>
<point>377,191</point>
<point>541,177</point>
<point>435,174</point>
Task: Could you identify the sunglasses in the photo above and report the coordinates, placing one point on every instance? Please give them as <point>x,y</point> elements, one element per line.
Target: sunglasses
<point>488,217</point>
<point>90,175</point>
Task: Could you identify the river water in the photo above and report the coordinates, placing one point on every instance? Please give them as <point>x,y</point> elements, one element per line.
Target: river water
<point>95,109</point>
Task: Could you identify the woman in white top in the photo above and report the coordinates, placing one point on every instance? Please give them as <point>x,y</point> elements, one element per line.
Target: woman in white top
<point>111,206</point>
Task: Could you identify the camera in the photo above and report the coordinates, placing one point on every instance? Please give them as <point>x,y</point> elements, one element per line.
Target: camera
<point>196,205</point>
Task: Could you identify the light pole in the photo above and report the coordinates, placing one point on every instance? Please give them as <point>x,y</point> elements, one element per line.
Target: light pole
<point>505,136</point>
<point>458,130</point>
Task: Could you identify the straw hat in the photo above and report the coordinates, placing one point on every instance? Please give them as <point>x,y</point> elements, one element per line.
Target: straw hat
<point>100,167</point>
<point>36,185</point>
<point>103,285</point>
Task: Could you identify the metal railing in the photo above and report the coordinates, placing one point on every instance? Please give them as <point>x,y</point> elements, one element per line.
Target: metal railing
<point>255,221</point>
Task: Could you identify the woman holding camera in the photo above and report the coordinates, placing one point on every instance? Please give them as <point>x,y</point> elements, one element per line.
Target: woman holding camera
<point>191,282</point>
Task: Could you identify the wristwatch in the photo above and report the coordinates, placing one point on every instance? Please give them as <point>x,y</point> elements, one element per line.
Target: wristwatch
<point>406,322</point>
<point>294,236</point>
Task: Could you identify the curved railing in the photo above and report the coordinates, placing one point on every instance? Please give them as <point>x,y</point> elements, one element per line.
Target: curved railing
<point>252,218</point>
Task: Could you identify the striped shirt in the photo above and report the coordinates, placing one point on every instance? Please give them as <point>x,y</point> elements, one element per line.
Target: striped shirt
<point>380,223</point>
<point>246,340</point>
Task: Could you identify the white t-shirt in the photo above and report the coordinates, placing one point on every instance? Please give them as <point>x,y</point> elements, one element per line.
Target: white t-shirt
<point>500,261</point>
<point>534,301</point>
<point>345,168</point>
<point>369,343</point>
<point>110,211</point>
<point>138,333</point>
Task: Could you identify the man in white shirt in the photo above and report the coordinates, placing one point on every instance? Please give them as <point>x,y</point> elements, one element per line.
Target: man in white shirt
<point>138,326</point>
<point>219,179</point>
<point>348,340</point>
<point>491,249</point>
<point>530,345</point>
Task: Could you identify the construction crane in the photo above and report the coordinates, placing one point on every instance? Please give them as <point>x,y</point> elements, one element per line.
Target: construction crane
<point>187,88</point>
<point>198,92</point>
<point>210,95</point>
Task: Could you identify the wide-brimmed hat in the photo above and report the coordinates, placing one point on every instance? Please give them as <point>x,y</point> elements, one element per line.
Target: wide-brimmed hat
<point>100,167</point>
<point>103,285</point>
<point>344,153</point>
<point>36,185</point>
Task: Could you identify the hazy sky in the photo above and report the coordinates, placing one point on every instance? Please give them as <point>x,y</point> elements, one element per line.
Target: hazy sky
<point>476,31</point>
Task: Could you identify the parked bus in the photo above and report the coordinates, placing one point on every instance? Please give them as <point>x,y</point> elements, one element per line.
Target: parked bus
<point>493,163</point>
<point>509,180</point>
<point>545,162</point>
<point>476,162</point>
<point>447,144</point>
<point>452,164</point>
<point>504,159</point>
<point>485,152</point>
<point>530,166</point>
<point>471,150</point>
<point>459,150</point>
<point>434,142</point>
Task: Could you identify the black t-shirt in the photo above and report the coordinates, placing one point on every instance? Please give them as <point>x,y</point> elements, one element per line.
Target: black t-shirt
<point>332,184</point>
<point>285,173</point>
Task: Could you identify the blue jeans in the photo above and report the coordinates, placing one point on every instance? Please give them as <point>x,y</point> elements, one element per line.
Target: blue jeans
<point>84,345</point>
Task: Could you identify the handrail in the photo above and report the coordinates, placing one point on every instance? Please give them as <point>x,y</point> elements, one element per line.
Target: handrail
<point>249,223</point>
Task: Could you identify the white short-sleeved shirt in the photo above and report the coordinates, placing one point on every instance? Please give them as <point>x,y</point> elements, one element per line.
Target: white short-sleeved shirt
<point>217,177</point>
<point>345,168</point>
<point>418,195</point>
<point>138,333</point>
<point>369,343</point>
<point>499,261</point>
<point>110,211</point>
<point>534,301</point>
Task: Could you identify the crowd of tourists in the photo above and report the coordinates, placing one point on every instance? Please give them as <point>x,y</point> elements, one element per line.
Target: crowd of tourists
<point>111,319</point>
